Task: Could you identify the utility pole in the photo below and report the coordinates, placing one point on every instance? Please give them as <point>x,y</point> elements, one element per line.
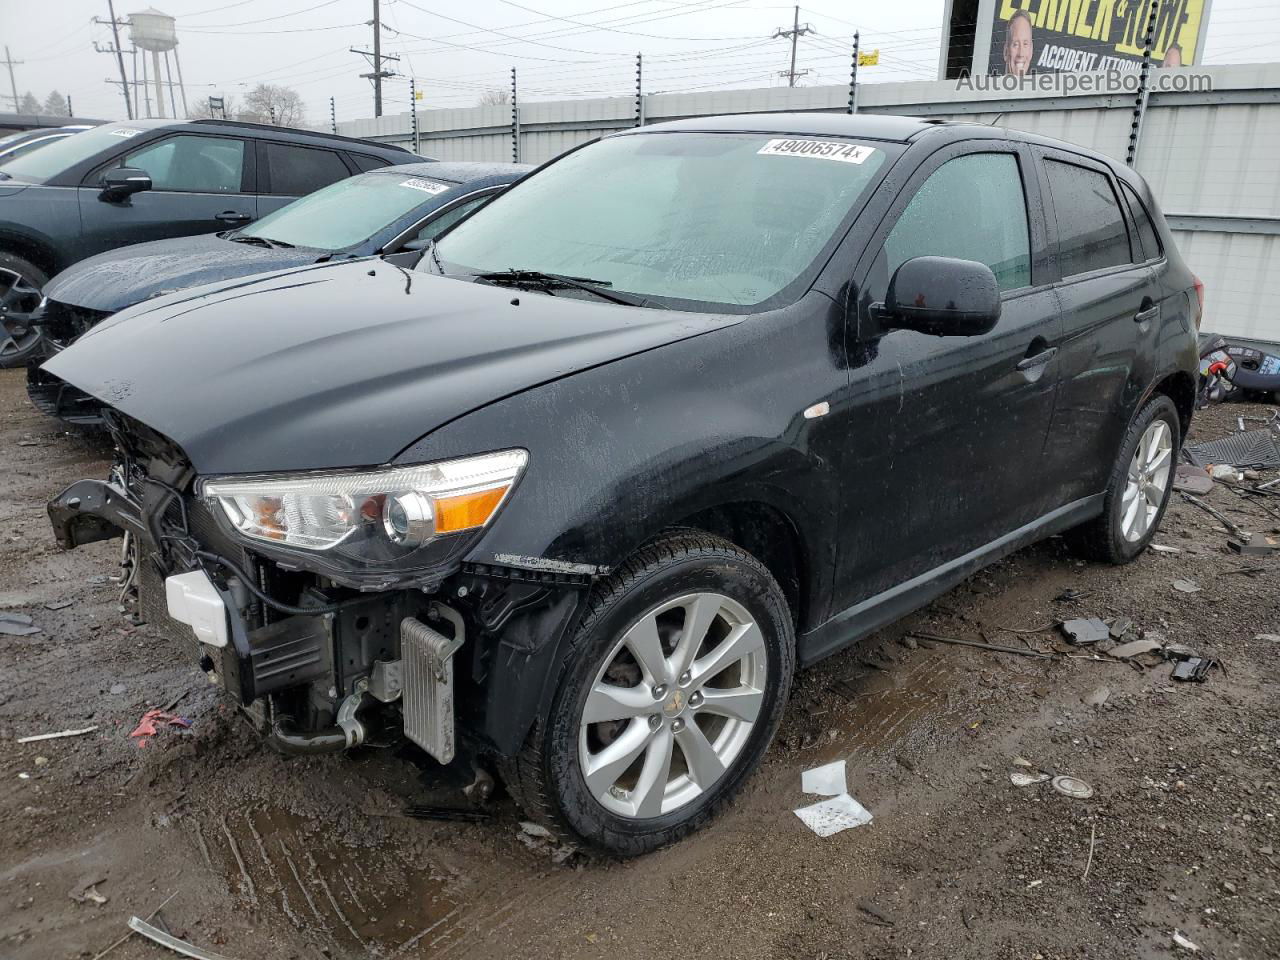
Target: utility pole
<point>115,48</point>
<point>795,33</point>
<point>375,58</point>
<point>11,63</point>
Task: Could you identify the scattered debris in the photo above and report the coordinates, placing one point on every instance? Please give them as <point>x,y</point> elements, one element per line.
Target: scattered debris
<point>151,916</point>
<point>1093,839</point>
<point>17,624</point>
<point>1231,525</point>
<point>1254,448</point>
<point>1134,648</point>
<point>1071,595</point>
<point>1184,943</point>
<point>1164,548</point>
<point>1192,479</point>
<point>875,913</point>
<point>1263,547</point>
<point>1020,779</point>
<point>831,816</point>
<point>58,604</point>
<point>1194,669</point>
<point>1072,787</point>
<point>454,814</point>
<point>1120,626</point>
<point>1021,762</point>
<point>138,925</point>
<point>825,781</point>
<point>1273,637</point>
<point>1081,632</point>
<point>987,646</point>
<point>535,830</point>
<point>57,736</point>
<point>147,726</point>
<point>1186,586</point>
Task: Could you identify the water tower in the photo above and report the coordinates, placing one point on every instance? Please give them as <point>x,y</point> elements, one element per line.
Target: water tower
<point>154,32</point>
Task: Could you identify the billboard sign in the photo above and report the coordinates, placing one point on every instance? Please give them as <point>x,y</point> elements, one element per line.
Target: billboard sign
<point>1072,36</point>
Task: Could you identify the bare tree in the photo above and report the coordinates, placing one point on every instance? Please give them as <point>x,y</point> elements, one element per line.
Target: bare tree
<point>203,110</point>
<point>268,103</point>
<point>494,98</point>
<point>55,105</point>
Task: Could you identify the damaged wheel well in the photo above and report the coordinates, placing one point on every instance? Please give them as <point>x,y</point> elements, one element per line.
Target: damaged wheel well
<point>30,250</point>
<point>1180,387</point>
<point>767,534</point>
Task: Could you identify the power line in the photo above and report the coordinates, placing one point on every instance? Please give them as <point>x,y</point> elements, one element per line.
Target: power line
<point>794,34</point>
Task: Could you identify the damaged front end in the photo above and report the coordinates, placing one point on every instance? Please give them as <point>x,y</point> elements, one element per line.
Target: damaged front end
<point>332,604</point>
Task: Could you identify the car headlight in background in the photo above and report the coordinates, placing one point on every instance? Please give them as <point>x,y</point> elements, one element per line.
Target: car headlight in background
<point>373,518</point>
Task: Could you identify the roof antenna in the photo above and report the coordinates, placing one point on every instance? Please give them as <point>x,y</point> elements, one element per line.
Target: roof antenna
<point>995,119</point>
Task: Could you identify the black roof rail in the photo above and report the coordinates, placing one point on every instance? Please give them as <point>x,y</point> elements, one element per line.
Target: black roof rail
<point>298,130</point>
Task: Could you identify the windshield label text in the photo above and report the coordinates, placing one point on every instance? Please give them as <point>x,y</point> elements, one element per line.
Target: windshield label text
<point>821,149</point>
<point>426,186</point>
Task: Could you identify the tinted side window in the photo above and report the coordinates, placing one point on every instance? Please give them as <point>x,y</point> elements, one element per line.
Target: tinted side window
<point>366,163</point>
<point>1147,235</point>
<point>972,208</point>
<point>295,171</point>
<point>1091,230</point>
<point>192,164</point>
<point>446,220</point>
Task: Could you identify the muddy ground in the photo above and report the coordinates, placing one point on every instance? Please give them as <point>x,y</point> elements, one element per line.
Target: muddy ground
<point>258,856</point>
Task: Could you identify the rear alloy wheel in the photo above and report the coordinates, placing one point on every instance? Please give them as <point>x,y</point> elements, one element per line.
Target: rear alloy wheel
<point>675,684</point>
<point>20,338</point>
<point>1138,489</point>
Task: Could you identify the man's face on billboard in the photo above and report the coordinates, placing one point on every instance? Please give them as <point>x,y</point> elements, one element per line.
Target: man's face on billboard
<point>1173,57</point>
<point>1018,47</point>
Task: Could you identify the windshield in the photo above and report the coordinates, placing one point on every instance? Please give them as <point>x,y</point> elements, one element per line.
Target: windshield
<point>349,211</point>
<point>52,159</point>
<point>727,219</point>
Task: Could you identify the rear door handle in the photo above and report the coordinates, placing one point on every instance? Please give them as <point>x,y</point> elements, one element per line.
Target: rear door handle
<point>1039,360</point>
<point>1142,316</point>
<point>231,216</point>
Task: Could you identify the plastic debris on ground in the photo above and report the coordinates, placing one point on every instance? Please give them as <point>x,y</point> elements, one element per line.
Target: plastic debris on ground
<point>825,781</point>
<point>840,811</point>
<point>1020,779</point>
<point>1186,586</point>
<point>57,736</point>
<point>1192,479</point>
<point>1194,669</point>
<point>17,624</point>
<point>151,722</point>
<point>1072,787</point>
<point>1084,631</point>
<point>1184,943</point>
<point>138,925</point>
<point>1257,547</point>
<point>1133,648</point>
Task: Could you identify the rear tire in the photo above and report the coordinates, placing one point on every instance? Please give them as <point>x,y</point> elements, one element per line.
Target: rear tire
<point>20,286</point>
<point>1138,489</point>
<point>694,717</point>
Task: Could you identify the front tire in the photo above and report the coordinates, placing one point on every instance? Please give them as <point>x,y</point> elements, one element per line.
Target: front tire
<point>20,286</point>
<point>675,684</point>
<point>1138,488</point>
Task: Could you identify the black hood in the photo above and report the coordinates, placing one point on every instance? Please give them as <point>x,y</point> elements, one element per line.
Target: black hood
<point>344,364</point>
<point>120,278</point>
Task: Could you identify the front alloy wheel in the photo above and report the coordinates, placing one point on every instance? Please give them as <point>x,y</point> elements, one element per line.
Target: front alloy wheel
<point>675,682</point>
<point>20,336</point>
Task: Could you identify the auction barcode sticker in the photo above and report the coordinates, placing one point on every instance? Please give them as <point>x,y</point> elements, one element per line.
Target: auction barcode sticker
<point>125,132</point>
<point>821,149</point>
<point>426,186</point>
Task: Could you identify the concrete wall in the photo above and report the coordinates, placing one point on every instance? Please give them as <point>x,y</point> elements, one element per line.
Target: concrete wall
<point>1210,157</point>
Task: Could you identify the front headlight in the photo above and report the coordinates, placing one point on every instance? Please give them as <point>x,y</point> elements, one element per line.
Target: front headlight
<point>386,517</point>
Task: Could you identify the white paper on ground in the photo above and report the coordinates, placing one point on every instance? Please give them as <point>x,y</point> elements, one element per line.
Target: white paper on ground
<point>831,816</point>
<point>826,781</point>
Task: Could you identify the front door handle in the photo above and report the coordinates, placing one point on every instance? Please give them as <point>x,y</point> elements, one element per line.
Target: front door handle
<point>1039,360</point>
<point>231,216</point>
<point>1142,316</point>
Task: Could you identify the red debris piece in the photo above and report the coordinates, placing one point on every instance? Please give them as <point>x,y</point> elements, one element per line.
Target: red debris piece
<point>147,726</point>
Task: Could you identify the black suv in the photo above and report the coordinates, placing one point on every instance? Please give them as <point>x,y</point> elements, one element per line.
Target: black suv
<point>686,407</point>
<point>123,183</point>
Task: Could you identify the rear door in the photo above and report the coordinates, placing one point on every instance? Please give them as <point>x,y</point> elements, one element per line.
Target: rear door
<point>200,184</point>
<point>287,171</point>
<point>1110,315</point>
<point>946,434</point>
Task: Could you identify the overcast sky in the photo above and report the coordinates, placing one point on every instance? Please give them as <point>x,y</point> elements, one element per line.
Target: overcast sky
<point>456,50</point>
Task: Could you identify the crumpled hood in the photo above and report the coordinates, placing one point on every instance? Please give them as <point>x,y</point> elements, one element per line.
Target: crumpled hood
<point>120,278</point>
<point>345,364</point>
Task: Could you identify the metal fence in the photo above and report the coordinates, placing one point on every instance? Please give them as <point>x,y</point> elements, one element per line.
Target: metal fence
<point>1210,157</point>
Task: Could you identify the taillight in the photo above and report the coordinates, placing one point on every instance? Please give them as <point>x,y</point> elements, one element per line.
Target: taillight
<point>1199,285</point>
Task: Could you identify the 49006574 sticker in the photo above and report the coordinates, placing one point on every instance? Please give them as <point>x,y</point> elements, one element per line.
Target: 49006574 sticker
<point>426,186</point>
<point>839,150</point>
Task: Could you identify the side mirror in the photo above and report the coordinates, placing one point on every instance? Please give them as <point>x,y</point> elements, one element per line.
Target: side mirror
<point>121,182</point>
<point>942,296</point>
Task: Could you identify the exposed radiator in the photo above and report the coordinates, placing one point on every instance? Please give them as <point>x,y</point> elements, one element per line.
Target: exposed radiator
<point>427,694</point>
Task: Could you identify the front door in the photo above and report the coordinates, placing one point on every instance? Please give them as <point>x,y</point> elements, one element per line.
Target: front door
<point>946,435</point>
<point>198,186</point>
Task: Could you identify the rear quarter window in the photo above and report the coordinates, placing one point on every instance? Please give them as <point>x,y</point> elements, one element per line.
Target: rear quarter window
<point>1148,238</point>
<point>365,163</point>
<point>1091,229</point>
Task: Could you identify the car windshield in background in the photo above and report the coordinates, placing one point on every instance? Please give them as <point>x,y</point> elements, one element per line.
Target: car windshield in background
<point>728,219</point>
<point>349,211</point>
<point>41,165</point>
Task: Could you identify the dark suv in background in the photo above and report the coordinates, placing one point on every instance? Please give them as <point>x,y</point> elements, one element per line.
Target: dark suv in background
<point>127,182</point>
<point>681,409</point>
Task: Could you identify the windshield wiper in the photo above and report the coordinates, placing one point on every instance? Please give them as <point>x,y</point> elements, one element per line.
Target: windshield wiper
<point>538,280</point>
<point>260,241</point>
